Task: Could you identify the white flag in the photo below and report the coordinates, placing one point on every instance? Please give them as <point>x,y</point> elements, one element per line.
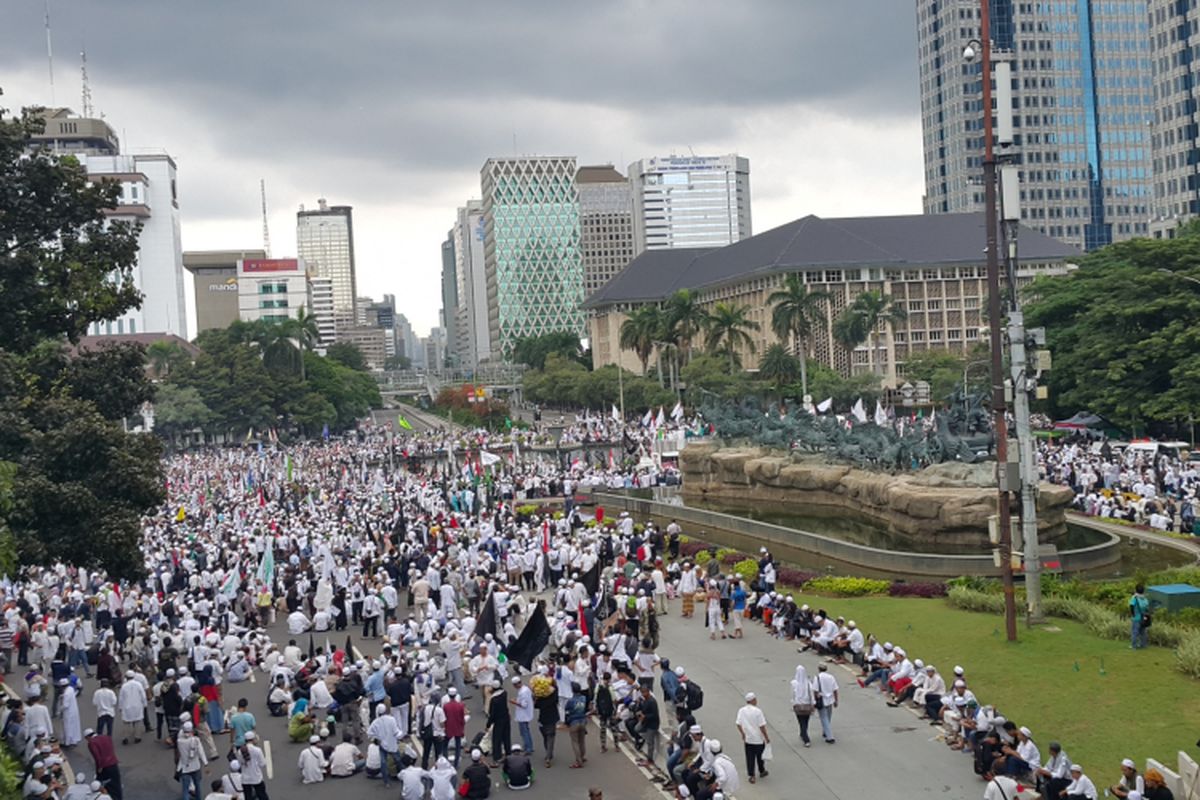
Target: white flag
<point>616,415</point>
<point>858,411</point>
<point>932,415</point>
<point>677,412</point>
<point>649,418</point>
<point>230,586</point>
<point>658,422</point>
<point>825,405</point>
<point>880,415</point>
<point>487,459</point>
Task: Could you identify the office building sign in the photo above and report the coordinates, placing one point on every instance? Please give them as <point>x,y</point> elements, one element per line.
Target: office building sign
<point>228,285</point>
<point>259,265</point>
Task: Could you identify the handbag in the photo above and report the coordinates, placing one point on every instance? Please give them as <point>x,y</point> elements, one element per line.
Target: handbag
<point>818,702</point>
<point>803,708</point>
<point>767,753</point>
<point>464,788</point>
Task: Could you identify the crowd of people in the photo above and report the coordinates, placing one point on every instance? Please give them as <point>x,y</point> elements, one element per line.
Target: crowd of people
<point>380,605</point>
<point>1136,484</point>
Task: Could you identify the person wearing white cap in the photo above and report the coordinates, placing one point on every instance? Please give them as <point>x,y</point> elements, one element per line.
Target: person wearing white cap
<point>191,759</point>
<point>312,761</point>
<point>132,701</point>
<point>825,694</point>
<point>1001,787</point>
<point>81,789</point>
<point>1021,760</point>
<point>1130,781</point>
<point>231,782</point>
<point>444,775</point>
<point>1081,786</point>
<point>524,712</point>
<point>752,725</point>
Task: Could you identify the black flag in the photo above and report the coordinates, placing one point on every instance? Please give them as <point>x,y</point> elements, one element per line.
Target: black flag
<point>533,639</point>
<point>349,648</point>
<point>485,623</point>
<point>591,580</point>
<point>312,650</point>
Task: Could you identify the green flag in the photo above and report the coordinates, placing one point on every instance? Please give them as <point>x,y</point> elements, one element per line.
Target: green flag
<point>289,467</point>
<point>404,423</point>
<point>508,423</point>
<point>266,567</point>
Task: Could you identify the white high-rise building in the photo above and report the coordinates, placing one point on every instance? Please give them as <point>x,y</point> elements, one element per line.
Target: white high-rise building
<point>149,196</point>
<point>325,240</point>
<point>320,305</point>
<point>472,341</point>
<point>273,289</point>
<point>690,201</point>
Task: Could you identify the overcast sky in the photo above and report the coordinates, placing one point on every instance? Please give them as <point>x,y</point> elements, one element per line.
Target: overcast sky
<point>392,107</point>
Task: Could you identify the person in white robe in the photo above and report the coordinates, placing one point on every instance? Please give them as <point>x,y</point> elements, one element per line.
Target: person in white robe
<point>72,732</point>
<point>132,704</point>
<point>312,762</point>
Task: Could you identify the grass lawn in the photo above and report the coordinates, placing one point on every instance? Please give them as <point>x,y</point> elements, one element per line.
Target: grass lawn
<point>1102,700</point>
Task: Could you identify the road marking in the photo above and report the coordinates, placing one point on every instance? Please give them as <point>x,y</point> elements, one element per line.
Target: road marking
<point>270,761</point>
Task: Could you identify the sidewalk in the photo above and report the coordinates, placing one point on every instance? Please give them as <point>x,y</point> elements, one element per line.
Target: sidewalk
<point>880,752</point>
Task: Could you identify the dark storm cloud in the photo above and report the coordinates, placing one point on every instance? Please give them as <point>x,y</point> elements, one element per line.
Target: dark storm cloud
<point>438,84</point>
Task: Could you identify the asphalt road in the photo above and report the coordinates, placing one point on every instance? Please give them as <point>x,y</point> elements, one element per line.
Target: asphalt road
<point>147,767</point>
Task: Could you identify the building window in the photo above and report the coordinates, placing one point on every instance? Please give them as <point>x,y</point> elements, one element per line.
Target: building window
<point>916,305</point>
<point>833,276</point>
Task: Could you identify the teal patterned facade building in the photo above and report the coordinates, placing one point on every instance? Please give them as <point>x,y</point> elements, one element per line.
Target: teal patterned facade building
<point>534,268</point>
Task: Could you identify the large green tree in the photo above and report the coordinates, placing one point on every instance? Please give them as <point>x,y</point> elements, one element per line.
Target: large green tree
<point>1124,330</point>
<point>78,483</point>
<point>779,367</point>
<point>533,351</point>
<point>795,315</point>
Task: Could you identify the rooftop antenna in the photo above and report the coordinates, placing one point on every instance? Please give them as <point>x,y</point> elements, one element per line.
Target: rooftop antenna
<point>262,188</point>
<point>87,89</point>
<point>50,54</point>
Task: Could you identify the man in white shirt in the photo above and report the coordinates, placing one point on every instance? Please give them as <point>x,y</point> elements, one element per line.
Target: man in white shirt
<point>346,759</point>
<point>826,693</point>
<point>524,713</point>
<point>1081,786</point>
<point>312,762</point>
<point>105,701</point>
<point>752,725</point>
<point>297,622</point>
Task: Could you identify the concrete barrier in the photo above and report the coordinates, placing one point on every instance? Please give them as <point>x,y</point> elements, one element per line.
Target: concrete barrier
<point>800,547</point>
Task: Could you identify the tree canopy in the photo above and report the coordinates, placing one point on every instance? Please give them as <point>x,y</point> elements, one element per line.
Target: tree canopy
<point>1124,331</point>
<point>533,351</point>
<point>73,483</point>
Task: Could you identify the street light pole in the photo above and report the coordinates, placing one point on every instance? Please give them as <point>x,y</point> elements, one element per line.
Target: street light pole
<point>995,309</point>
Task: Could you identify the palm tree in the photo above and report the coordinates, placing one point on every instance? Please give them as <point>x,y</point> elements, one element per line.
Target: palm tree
<point>779,366</point>
<point>727,330</point>
<point>685,320</point>
<point>796,315</point>
<point>164,356</point>
<point>860,321</point>
<point>640,331</point>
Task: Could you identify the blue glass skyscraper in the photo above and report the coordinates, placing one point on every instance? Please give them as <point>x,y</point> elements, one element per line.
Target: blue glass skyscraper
<point>1083,104</point>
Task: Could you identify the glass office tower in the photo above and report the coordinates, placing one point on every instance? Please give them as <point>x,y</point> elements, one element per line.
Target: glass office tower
<point>1083,106</point>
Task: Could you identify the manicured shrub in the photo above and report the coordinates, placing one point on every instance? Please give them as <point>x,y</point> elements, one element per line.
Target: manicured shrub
<point>846,587</point>
<point>691,548</point>
<point>898,589</point>
<point>703,557</point>
<point>746,569</point>
<point>796,578</point>
<point>1187,655</point>
<point>732,557</point>
<point>975,600</point>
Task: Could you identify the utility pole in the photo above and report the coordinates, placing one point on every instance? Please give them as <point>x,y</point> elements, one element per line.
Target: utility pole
<point>995,310</point>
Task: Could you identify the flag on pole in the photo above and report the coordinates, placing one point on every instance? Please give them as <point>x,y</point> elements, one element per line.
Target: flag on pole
<point>880,415</point>
<point>266,567</point>
<point>660,419</point>
<point>181,514</point>
<point>677,412</point>
<point>403,422</point>
<point>230,586</point>
<point>616,415</point>
<point>648,419</point>
<point>825,405</point>
<point>858,411</point>
<point>488,459</point>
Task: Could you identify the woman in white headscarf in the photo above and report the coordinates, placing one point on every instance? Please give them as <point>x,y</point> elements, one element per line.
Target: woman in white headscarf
<point>802,701</point>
